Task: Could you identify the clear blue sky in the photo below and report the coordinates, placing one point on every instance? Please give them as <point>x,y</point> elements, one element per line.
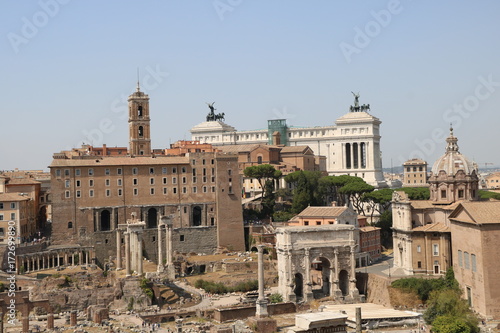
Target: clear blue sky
<point>65,69</point>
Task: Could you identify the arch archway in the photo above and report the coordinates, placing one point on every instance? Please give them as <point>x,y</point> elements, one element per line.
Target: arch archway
<point>152,218</point>
<point>299,286</point>
<point>105,220</point>
<point>196,216</point>
<point>320,275</point>
<point>344,282</point>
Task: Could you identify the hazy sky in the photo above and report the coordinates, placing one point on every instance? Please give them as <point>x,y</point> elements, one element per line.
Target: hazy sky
<point>68,66</point>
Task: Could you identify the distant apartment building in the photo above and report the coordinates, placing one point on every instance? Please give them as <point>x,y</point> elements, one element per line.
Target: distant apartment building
<point>283,158</point>
<point>415,173</point>
<point>94,190</point>
<point>492,181</point>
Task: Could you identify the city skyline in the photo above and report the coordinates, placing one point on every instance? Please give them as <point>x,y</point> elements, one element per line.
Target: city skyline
<point>419,66</point>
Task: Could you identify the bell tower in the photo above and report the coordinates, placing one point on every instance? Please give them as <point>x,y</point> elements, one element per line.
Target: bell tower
<point>139,123</point>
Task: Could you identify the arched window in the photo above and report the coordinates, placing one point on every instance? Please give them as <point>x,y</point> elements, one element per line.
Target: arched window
<point>139,110</point>
<point>70,225</point>
<point>141,131</point>
<point>259,159</point>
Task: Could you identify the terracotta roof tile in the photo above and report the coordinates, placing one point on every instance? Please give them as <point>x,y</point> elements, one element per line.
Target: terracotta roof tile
<point>326,211</point>
<point>138,160</point>
<point>12,197</point>
<point>433,227</point>
<point>481,212</point>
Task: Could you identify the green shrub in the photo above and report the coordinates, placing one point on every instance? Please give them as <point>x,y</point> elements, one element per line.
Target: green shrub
<point>422,287</point>
<point>220,288</point>
<point>276,298</point>
<point>146,287</point>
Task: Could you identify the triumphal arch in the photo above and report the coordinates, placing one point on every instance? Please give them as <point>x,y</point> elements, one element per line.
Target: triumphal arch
<point>317,261</point>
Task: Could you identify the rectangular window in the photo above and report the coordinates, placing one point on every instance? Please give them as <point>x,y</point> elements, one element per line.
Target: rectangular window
<point>136,191</point>
<point>66,194</point>
<point>119,182</point>
<point>164,180</point>
<point>66,172</point>
<point>213,189</point>
<point>78,194</point>
<point>119,171</point>
<point>473,262</point>
<point>106,172</point>
<point>108,193</point>
<point>193,162</point>
<point>466,260</point>
<point>77,172</point>
<point>204,189</point>
<point>174,180</point>
<point>460,259</point>
<point>12,216</point>
<point>212,161</point>
<point>174,170</point>
<point>183,169</point>
<point>194,179</point>
<point>91,182</point>
<point>203,161</point>
<point>174,190</point>
<point>58,173</point>
<point>435,250</point>
<point>78,183</point>
<point>91,172</point>
<point>67,183</point>
<point>135,171</point>
<point>419,248</point>
<point>151,171</point>
<point>460,193</point>
<point>107,182</point>
<point>151,181</point>
<point>164,190</point>
<point>1,205</point>
<point>184,190</point>
<point>164,170</point>
<point>194,172</point>
<point>204,179</point>
<point>152,191</point>
<point>1,217</point>
<point>194,189</point>
<point>213,179</point>
<point>12,205</point>
<point>134,181</point>
<point>443,194</point>
<point>306,222</point>
<point>318,222</point>
<point>120,192</point>
<point>91,193</point>
<point>181,238</point>
<point>419,264</point>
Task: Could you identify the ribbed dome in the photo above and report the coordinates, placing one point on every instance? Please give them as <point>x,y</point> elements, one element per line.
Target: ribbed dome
<point>453,160</point>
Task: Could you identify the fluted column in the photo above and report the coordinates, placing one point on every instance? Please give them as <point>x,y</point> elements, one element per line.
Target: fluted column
<point>139,254</point>
<point>118,249</point>
<point>127,253</point>
<point>160,250</point>
<point>308,294</point>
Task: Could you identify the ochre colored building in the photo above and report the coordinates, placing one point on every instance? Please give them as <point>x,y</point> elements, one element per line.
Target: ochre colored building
<point>475,235</point>
<point>93,192</point>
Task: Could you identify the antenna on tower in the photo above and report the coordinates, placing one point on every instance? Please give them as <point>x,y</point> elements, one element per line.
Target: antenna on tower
<point>138,86</point>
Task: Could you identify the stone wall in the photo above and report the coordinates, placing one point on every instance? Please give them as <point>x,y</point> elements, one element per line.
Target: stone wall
<point>377,290</point>
<point>223,315</point>
<point>196,239</point>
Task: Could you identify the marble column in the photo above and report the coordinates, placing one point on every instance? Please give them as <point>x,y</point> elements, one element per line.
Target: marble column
<point>168,243</point>
<point>308,294</point>
<point>139,254</point>
<point>335,277</point>
<point>352,285</point>
<point>87,257</point>
<point>261,310</point>
<point>160,250</point>
<point>118,250</point>
<point>127,254</point>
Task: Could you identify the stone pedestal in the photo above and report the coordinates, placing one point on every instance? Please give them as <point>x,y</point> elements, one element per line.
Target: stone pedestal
<point>72,318</point>
<point>26,324</point>
<point>50,321</point>
<point>263,325</point>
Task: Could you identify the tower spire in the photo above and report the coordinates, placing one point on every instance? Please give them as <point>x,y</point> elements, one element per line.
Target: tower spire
<point>138,85</point>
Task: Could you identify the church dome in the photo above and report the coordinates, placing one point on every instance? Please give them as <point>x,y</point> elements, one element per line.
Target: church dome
<point>453,161</point>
